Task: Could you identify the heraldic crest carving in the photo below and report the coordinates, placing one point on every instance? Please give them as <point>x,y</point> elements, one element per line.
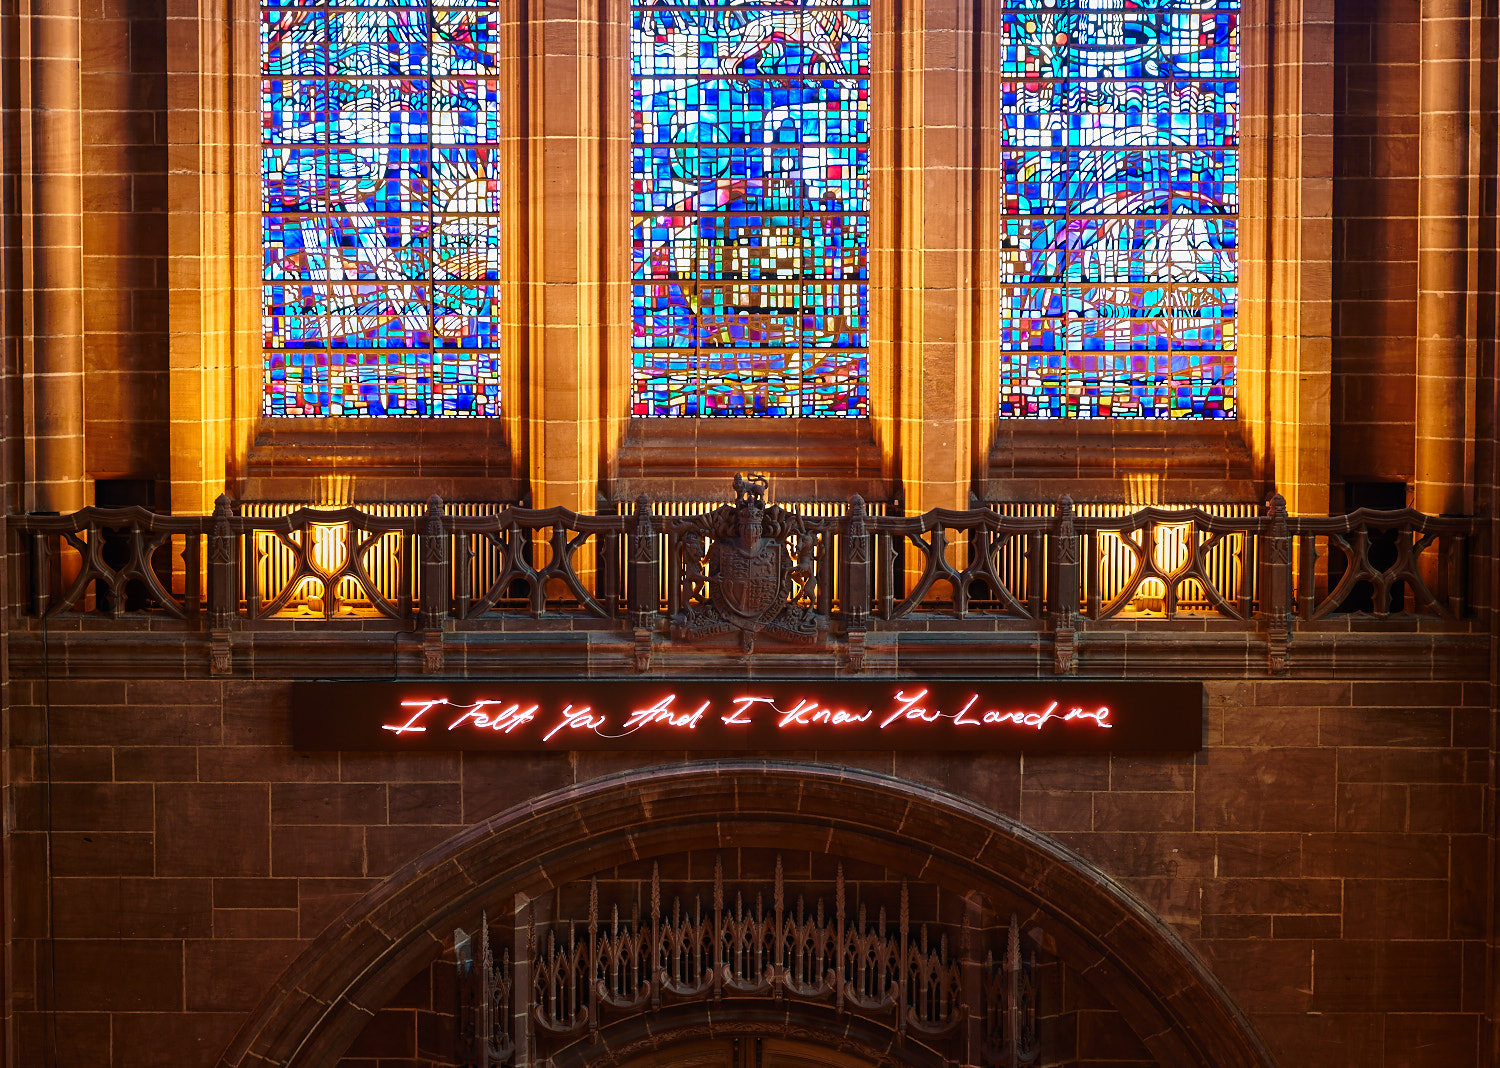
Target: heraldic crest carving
<point>737,572</point>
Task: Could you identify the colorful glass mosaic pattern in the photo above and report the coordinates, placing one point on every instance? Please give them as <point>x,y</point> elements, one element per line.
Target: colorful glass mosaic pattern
<point>1120,171</point>
<point>380,185</point>
<point>750,207</point>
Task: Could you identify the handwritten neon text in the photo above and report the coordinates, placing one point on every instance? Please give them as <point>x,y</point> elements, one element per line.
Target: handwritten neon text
<point>910,709</point>
<point>662,714</point>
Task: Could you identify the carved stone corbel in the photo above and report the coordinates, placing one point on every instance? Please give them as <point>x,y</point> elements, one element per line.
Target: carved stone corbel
<point>221,656</point>
<point>432,652</point>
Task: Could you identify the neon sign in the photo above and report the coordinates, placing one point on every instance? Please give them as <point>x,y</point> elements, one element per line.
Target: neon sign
<point>749,715</point>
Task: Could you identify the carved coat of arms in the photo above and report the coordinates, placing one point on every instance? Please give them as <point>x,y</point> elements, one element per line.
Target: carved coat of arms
<point>751,581</point>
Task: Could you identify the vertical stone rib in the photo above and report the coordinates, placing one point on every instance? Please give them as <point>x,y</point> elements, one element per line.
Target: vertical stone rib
<point>567,119</point>
<point>936,255</point>
<point>1443,380</point>
<point>201,115</point>
<point>1299,249</point>
<point>55,281</point>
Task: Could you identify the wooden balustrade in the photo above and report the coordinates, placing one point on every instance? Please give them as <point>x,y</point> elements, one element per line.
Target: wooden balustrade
<point>749,569</point>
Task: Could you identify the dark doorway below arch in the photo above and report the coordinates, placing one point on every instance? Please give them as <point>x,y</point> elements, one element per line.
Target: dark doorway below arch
<point>748,1053</point>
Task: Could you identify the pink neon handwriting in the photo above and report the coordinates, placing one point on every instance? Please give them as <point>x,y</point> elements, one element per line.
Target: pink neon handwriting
<point>669,715</point>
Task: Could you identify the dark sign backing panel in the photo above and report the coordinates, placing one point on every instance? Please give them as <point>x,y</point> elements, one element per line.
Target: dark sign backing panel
<point>719,716</point>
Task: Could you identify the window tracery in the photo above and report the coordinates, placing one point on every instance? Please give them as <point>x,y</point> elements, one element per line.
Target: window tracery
<point>381,195</point>
<point>1120,172</point>
<point>750,206</point>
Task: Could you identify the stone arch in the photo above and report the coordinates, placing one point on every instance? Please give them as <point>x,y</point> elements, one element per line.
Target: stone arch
<point>1101,930</point>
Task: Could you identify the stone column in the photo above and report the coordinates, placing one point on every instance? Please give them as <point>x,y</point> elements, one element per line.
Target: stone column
<point>1444,378</point>
<point>933,310</point>
<point>54,248</point>
<point>1287,355</point>
<point>577,226</point>
<point>203,115</point>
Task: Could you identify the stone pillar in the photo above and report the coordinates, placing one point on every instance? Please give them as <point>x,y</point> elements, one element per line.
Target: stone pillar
<point>53,185</point>
<point>202,115</point>
<point>578,224</point>
<point>933,310</point>
<point>1444,377</point>
<point>1286,356</point>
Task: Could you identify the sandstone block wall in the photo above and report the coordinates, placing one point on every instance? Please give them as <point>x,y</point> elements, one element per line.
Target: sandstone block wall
<point>1325,853</point>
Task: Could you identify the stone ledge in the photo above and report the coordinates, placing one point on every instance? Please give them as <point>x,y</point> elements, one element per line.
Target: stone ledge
<point>695,459</point>
<point>267,653</point>
<point>389,460</point>
<point>1195,463</point>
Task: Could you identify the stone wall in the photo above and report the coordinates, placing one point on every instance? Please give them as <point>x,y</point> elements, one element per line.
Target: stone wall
<point>1376,149</point>
<point>124,94</point>
<point>1325,854</point>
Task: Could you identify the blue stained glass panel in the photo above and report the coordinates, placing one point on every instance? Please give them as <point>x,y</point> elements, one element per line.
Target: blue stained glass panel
<point>464,246</point>
<point>1120,184</point>
<point>665,383</point>
<point>709,178</point>
<point>465,42</point>
<point>299,119</point>
<point>381,192</point>
<point>750,194</point>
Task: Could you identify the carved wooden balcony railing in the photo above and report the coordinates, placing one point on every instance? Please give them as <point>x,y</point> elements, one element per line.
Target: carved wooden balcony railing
<point>573,977</point>
<point>745,572</point>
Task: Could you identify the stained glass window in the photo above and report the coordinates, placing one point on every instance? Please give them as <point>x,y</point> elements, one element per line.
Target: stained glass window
<point>750,206</point>
<point>380,190</point>
<point>1120,171</point>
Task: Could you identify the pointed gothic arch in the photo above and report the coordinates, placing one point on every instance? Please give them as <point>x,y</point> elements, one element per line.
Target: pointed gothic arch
<point>1098,928</point>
